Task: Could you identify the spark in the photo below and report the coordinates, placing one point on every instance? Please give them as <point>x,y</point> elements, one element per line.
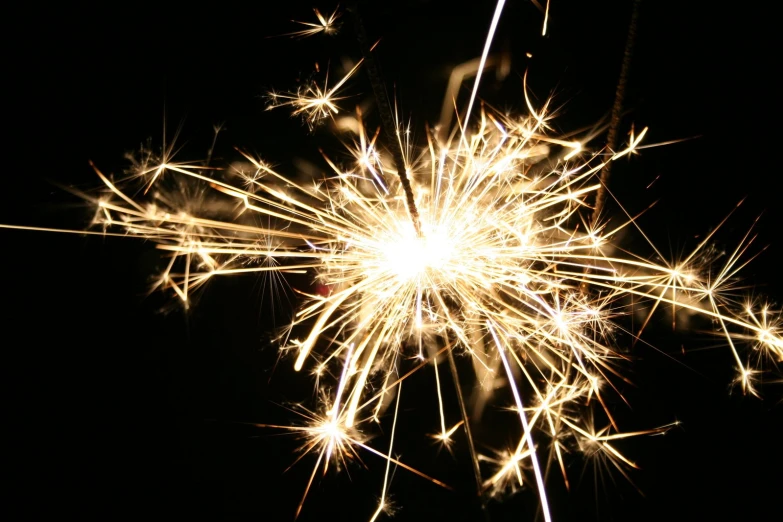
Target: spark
<point>311,101</point>
<point>326,25</point>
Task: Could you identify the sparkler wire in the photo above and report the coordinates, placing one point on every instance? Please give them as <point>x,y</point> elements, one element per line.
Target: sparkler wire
<point>387,119</point>
<point>617,108</point>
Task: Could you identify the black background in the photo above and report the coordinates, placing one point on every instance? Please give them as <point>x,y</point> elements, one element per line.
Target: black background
<point>113,408</point>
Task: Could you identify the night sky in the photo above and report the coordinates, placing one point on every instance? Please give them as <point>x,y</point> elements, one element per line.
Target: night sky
<point>120,404</point>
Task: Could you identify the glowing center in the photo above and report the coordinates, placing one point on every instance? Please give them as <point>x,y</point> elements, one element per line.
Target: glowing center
<point>409,256</point>
<point>331,431</point>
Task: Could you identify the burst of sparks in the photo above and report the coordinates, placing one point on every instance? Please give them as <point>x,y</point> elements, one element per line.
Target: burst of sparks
<point>326,25</point>
<point>312,102</point>
<point>498,273</point>
<point>507,269</point>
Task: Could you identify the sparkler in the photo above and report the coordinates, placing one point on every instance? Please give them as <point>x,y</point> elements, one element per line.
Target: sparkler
<point>506,268</point>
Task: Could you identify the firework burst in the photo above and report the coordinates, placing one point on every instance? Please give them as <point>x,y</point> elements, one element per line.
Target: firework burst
<point>500,263</point>
<point>505,270</point>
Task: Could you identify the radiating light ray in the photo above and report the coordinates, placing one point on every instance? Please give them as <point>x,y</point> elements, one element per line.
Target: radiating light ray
<point>484,55</point>
<point>382,502</point>
<point>312,102</point>
<point>326,25</point>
